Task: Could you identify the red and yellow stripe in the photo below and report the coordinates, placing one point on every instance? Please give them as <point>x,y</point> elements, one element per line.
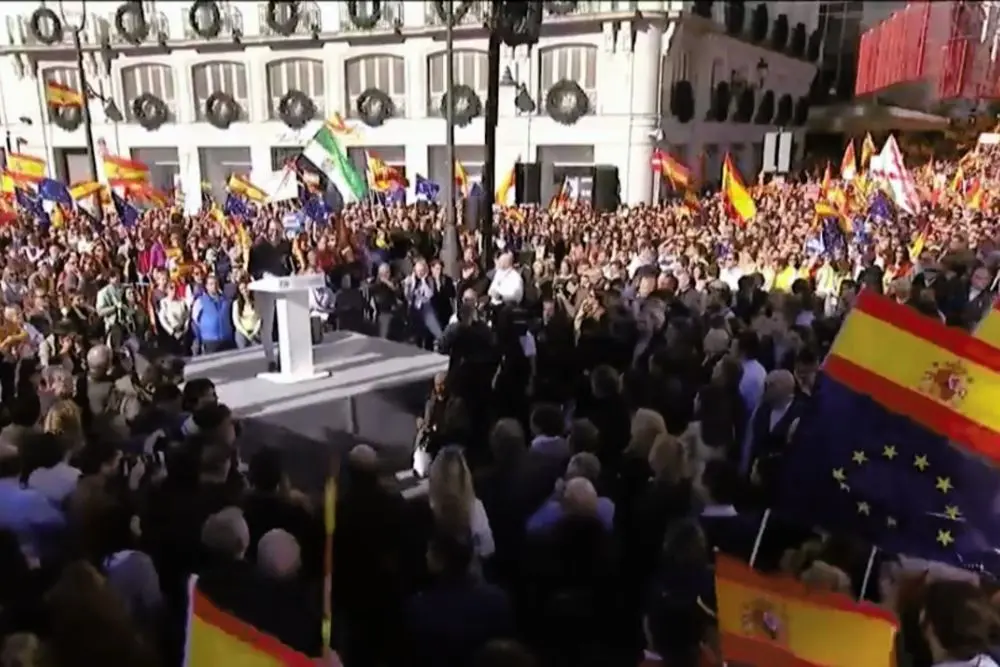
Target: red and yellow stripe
<point>940,377</point>
<point>216,638</point>
<point>988,330</point>
<point>778,622</point>
<point>25,168</point>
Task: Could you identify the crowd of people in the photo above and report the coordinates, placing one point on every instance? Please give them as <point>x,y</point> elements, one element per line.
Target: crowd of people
<point>621,388</point>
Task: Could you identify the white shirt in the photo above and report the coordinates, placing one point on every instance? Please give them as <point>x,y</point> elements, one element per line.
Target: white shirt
<point>507,286</point>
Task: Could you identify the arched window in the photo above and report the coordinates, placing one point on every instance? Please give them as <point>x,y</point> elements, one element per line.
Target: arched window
<point>66,76</point>
<point>574,62</point>
<point>151,78</point>
<point>302,74</point>
<point>384,72</point>
<point>470,69</point>
<point>219,76</point>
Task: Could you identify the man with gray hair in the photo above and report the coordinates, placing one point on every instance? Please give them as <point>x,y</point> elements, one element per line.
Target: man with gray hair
<point>571,492</point>
<point>225,535</point>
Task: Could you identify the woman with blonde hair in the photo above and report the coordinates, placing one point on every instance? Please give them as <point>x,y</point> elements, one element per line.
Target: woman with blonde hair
<point>65,420</point>
<point>452,498</point>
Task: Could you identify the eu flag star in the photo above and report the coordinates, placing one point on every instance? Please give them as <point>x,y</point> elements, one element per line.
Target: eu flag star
<point>921,463</point>
<point>839,475</point>
<point>944,484</point>
<point>952,512</point>
<point>890,522</point>
<point>889,452</point>
<point>859,457</point>
<point>864,508</point>
<point>944,538</point>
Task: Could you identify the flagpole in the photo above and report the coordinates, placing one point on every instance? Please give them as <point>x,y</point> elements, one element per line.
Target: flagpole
<point>449,244</point>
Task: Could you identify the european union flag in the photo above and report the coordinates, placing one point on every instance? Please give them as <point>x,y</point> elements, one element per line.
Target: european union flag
<point>235,207</point>
<point>396,195</point>
<point>861,469</point>
<point>128,214</point>
<point>426,190</point>
<point>888,445</point>
<point>881,207</point>
<point>52,190</point>
<point>834,240</point>
<point>32,206</point>
<point>316,209</point>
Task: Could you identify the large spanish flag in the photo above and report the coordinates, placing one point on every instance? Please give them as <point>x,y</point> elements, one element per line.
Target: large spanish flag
<point>122,171</point>
<point>25,168</point>
<point>988,330</point>
<point>216,637</point>
<point>739,203</point>
<point>875,353</point>
<point>778,622</point>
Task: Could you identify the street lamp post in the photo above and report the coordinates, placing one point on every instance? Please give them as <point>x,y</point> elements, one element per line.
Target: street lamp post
<point>88,125</point>
<point>449,249</point>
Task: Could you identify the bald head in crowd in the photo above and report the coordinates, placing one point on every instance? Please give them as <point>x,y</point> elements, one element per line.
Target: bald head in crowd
<point>99,359</point>
<point>779,387</point>
<point>363,457</point>
<point>278,554</point>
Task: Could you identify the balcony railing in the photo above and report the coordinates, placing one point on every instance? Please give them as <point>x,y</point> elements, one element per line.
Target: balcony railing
<point>476,14</point>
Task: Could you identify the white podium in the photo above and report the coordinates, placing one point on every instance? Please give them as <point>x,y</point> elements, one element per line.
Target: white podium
<point>295,348</point>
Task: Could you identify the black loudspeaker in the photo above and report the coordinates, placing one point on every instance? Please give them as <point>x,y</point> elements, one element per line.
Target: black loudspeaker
<point>528,183</point>
<point>606,196</point>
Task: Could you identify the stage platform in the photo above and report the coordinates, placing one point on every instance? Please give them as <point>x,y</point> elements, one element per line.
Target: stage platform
<point>375,392</point>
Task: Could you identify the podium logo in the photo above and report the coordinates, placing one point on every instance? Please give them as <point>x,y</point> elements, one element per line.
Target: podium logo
<point>284,283</point>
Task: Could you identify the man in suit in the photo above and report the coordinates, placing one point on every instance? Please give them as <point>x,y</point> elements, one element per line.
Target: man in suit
<point>271,257</point>
<point>769,432</point>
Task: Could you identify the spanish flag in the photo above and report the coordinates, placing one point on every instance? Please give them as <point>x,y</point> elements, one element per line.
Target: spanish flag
<point>382,177</point>
<point>461,179</point>
<point>505,194</point>
<point>825,184</point>
<point>336,124</point>
<point>675,172</point>
<point>216,637</point>
<point>690,203</point>
<point>25,168</point>
<point>84,189</point>
<point>867,150</point>
<point>241,185</point>
<point>848,166</point>
<point>988,330</point>
<point>739,203</point>
<point>121,171</point>
<point>59,95</point>
<point>778,622</point>
<point>975,198</point>
<point>957,180</point>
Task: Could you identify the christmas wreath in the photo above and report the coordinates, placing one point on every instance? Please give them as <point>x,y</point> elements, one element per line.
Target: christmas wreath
<point>566,102</point>
<point>52,32</point>
<point>282,16</point>
<point>374,107</point>
<point>467,104</point>
<point>363,20</point>
<point>150,111</point>
<point>296,109</point>
<point>221,110</point>
<point>205,19</point>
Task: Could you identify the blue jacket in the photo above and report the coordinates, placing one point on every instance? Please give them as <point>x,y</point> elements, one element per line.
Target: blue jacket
<point>213,319</point>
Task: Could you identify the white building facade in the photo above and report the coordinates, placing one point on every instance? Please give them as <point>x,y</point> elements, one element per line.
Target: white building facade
<point>626,57</point>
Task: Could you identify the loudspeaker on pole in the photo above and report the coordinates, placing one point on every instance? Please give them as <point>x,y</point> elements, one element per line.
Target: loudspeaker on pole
<point>528,183</point>
<point>606,188</point>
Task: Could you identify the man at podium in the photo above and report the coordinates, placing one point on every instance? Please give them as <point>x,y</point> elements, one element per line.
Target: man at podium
<point>271,256</point>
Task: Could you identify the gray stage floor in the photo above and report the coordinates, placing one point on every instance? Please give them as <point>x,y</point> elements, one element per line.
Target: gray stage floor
<point>374,394</point>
